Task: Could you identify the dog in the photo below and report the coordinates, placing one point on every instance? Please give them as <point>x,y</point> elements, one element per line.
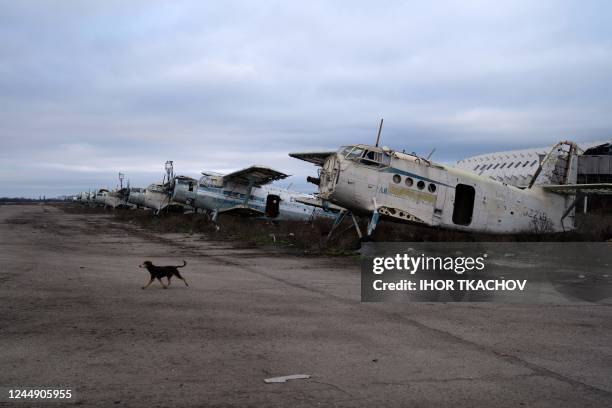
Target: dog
<point>158,272</point>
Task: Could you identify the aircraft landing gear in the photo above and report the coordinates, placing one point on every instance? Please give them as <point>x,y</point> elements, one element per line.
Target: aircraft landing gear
<point>373,223</point>
<point>341,215</point>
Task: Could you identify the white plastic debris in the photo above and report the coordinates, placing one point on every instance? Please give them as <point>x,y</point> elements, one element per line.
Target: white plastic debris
<point>286,378</point>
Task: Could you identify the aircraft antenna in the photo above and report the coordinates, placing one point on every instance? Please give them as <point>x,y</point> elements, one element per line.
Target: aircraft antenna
<point>430,153</point>
<point>379,130</point>
<point>121,176</point>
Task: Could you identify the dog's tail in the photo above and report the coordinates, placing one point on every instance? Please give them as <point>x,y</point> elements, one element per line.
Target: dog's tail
<point>184,263</point>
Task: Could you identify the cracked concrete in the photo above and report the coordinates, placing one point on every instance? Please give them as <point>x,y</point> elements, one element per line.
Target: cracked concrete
<point>73,315</point>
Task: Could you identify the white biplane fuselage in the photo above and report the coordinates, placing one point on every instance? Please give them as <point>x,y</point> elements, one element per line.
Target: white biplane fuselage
<point>117,199</point>
<point>137,196</point>
<point>100,197</point>
<point>156,197</point>
<point>217,194</point>
<point>368,180</point>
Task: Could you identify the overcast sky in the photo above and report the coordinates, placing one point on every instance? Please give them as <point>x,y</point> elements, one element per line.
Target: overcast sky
<point>91,88</point>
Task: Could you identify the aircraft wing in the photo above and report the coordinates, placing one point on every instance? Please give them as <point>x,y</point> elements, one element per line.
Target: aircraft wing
<point>317,158</point>
<point>258,175</point>
<point>573,189</point>
<point>242,210</point>
<point>317,202</point>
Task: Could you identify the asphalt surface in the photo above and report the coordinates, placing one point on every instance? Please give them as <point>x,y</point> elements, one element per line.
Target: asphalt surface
<point>73,316</point>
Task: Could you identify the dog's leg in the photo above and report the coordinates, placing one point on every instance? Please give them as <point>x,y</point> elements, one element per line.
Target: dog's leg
<point>169,280</point>
<point>162,283</point>
<point>178,275</point>
<point>150,282</point>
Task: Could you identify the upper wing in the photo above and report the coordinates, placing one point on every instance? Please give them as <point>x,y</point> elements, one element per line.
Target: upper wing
<point>317,202</point>
<point>573,189</point>
<point>317,158</point>
<point>257,175</point>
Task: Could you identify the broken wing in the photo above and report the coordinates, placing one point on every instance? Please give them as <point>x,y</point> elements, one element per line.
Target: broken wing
<point>317,202</point>
<point>254,175</point>
<point>242,210</point>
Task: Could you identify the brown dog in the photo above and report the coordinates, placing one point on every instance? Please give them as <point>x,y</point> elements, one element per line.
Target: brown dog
<point>158,272</point>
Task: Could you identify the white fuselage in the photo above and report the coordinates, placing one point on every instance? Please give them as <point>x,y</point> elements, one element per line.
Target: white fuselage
<point>137,196</point>
<point>100,197</point>
<point>211,195</point>
<point>156,197</point>
<point>117,199</point>
<point>405,187</point>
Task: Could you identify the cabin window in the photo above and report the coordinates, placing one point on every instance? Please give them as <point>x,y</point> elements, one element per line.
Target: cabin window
<point>510,165</point>
<point>517,164</point>
<point>533,163</point>
<point>397,178</point>
<point>502,166</point>
<point>526,163</point>
<point>191,183</point>
<point>496,166</point>
<point>409,182</point>
<point>464,204</point>
<point>431,188</point>
<point>421,185</point>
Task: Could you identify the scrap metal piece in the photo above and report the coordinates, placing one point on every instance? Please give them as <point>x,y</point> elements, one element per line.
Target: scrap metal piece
<point>285,378</point>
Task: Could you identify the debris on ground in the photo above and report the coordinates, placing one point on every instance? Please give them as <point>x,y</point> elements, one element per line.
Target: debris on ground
<point>286,378</point>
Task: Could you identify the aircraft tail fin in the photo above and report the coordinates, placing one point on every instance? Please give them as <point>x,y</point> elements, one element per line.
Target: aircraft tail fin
<point>559,166</point>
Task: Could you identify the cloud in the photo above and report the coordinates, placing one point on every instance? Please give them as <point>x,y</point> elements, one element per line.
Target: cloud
<point>89,89</point>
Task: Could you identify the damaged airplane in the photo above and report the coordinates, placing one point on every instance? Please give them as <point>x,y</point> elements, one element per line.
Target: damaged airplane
<point>379,182</point>
<point>245,192</point>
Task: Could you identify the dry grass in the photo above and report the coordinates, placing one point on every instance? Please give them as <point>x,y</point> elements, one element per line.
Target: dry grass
<point>311,237</point>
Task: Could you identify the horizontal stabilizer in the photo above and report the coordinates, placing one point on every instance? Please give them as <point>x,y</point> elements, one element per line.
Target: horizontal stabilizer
<point>317,202</point>
<point>255,175</point>
<point>317,158</point>
<point>573,189</point>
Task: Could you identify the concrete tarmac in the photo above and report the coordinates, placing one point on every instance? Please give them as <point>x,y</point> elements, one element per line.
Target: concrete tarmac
<point>73,316</point>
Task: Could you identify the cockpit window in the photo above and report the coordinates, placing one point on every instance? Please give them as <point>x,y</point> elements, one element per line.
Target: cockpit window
<point>376,158</point>
<point>210,181</point>
<point>356,153</point>
<point>345,150</point>
<point>369,157</point>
